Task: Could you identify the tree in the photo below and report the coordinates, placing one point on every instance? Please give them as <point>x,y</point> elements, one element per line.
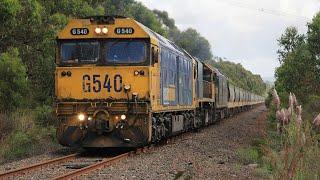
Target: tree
<point>164,18</point>
<point>313,35</point>
<point>300,67</point>
<point>313,39</point>
<point>194,43</point>
<point>296,74</point>
<point>288,42</point>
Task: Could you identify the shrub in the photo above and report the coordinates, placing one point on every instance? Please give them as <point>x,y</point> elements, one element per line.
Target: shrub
<point>13,82</point>
<point>19,144</point>
<point>23,136</point>
<point>23,144</point>
<point>20,119</point>
<point>44,116</point>
<point>312,107</point>
<point>268,100</point>
<point>6,126</point>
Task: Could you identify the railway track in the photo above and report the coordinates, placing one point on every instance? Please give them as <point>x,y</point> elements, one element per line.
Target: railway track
<point>25,172</point>
<point>108,161</point>
<point>37,166</point>
<point>93,167</point>
<point>104,162</point>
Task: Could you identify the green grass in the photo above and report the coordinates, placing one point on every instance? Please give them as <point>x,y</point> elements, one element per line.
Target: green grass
<point>21,144</point>
<point>248,155</point>
<point>23,135</point>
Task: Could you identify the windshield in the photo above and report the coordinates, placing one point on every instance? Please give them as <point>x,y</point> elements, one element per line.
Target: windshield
<point>80,52</point>
<point>123,52</point>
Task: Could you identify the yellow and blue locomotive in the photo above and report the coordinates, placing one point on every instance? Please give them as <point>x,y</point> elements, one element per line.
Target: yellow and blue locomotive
<point>119,84</point>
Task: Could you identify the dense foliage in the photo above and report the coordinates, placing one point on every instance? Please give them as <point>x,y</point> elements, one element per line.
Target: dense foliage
<point>13,83</point>
<point>300,62</point>
<point>239,76</point>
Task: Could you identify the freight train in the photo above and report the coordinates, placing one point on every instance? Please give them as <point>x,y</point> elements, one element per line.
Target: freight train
<point>120,84</point>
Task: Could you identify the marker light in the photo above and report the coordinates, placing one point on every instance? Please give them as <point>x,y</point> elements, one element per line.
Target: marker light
<point>123,117</point>
<point>97,30</point>
<point>81,117</point>
<point>127,87</point>
<point>89,118</point>
<point>105,30</point>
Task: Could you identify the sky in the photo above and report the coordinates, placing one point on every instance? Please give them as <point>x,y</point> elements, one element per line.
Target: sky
<point>242,31</point>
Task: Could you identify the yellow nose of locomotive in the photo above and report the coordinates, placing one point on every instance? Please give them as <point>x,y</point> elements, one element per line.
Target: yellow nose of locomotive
<point>100,101</point>
<point>103,82</point>
<point>88,83</point>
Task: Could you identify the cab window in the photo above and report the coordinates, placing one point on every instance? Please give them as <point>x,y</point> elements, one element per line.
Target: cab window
<point>125,51</point>
<point>80,52</point>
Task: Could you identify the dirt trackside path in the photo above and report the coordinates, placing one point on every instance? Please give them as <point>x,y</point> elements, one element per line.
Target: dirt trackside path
<point>208,154</point>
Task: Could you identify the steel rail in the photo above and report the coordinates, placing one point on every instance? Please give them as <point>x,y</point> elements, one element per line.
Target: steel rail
<point>93,167</point>
<point>35,166</point>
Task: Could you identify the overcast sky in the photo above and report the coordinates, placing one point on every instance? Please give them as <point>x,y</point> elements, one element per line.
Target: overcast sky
<point>243,31</point>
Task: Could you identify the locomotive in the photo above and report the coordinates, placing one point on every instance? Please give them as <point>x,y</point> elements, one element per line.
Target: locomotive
<point>120,84</point>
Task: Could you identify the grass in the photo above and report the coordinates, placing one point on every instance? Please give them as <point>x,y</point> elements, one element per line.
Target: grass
<point>22,134</point>
<point>248,155</point>
<point>21,144</point>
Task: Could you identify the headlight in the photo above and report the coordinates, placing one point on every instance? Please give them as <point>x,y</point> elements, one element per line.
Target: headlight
<point>105,30</point>
<point>97,30</point>
<point>123,117</point>
<point>81,117</point>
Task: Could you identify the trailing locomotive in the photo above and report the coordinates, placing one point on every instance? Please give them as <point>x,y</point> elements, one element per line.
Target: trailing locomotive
<point>119,84</point>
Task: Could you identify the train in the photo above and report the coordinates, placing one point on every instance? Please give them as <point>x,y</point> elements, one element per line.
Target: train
<point>118,84</point>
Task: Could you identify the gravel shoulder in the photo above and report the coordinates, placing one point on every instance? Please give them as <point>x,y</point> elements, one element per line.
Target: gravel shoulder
<point>208,154</point>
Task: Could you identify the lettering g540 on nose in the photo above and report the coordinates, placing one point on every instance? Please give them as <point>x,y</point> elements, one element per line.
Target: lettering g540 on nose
<point>95,83</point>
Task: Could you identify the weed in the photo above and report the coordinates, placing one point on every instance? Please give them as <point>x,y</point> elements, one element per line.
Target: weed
<point>292,148</point>
<point>237,167</point>
<point>248,155</point>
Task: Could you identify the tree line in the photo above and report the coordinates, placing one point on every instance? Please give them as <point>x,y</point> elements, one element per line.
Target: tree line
<point>239,76</point>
